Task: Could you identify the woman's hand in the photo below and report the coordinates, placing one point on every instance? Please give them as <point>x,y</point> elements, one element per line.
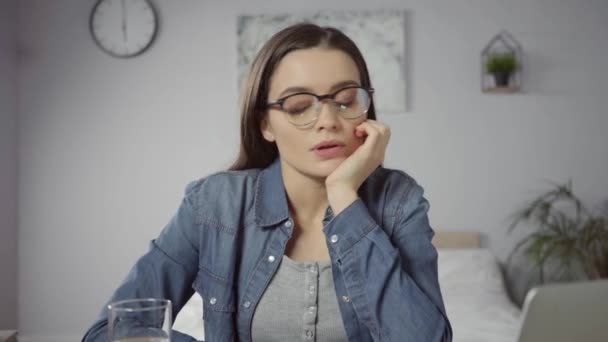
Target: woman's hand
<point>342,184</point>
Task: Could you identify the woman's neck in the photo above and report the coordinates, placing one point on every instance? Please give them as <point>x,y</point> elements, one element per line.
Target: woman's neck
<point>307,196</point>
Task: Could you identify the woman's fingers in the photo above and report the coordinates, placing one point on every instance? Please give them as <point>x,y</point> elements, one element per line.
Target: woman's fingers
<point>382,128</point>
<point>373,129</point>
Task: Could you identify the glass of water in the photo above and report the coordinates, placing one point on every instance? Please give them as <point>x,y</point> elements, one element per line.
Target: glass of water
<point>140,320</point>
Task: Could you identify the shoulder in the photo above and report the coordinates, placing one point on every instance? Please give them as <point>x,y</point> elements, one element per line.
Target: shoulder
<point>224,198</point>
<point>392,181</point>
<point>223,185</point>
<point>394,188</point>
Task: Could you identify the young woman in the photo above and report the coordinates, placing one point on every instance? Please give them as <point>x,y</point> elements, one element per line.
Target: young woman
<point>307,237</point>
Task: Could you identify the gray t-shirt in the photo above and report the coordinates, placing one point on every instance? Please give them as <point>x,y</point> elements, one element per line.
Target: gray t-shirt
<point>299,304</point>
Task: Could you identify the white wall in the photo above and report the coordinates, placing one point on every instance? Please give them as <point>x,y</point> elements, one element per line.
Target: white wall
<point>8,165</point>
<point>107,145</point>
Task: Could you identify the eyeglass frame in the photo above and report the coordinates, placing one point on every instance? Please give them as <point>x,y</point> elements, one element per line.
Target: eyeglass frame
<point>320,98</point>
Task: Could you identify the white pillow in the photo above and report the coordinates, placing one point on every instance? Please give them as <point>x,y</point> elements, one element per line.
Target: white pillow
<point>475,297</point>
<point>190,318</point>
<point>469,272</point>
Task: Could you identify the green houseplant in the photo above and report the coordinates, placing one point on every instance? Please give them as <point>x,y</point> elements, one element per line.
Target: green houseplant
<point>567,237</point>
<point>501,65</point>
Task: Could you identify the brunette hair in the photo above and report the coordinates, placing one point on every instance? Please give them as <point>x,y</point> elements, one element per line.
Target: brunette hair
<point>255,151</point>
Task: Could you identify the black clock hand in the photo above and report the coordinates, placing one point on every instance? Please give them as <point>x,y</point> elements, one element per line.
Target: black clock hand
<point>124,21</point>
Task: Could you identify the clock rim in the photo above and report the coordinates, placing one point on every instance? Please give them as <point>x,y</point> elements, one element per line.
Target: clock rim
<point>129,55</point>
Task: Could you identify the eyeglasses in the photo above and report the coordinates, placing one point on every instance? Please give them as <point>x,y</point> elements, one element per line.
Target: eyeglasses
<point>303,108</point>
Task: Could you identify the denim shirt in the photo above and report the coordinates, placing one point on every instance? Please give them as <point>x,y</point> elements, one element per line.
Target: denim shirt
<point>232,227</point>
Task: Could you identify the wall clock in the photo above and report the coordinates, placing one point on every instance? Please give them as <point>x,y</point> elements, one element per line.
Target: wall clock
<point>123,28</point>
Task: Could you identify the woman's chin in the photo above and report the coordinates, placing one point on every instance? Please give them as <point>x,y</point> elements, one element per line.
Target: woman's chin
<point>326,167</point>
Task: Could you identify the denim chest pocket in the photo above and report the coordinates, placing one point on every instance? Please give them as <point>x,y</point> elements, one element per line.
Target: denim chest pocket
<point>217,293</point>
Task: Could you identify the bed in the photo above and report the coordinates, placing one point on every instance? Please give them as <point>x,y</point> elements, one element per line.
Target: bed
<point>473,290</point>
<point>471,283</point>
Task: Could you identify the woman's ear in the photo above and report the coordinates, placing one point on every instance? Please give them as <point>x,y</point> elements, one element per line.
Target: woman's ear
<point>266,130</point>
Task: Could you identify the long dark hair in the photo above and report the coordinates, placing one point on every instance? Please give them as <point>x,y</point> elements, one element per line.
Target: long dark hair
<point>255,151</point>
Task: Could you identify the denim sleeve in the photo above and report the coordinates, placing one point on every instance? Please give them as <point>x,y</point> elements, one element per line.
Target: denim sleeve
<point>166,271</point>
<point>391,280</point>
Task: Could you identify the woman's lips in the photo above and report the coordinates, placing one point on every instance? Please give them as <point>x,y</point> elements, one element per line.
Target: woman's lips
<point>328,152</point>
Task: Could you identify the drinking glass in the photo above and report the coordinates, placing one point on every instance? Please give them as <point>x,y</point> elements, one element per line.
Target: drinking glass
<point>140,320</point>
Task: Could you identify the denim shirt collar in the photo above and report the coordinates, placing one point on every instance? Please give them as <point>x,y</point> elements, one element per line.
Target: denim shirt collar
<point>270,200</point>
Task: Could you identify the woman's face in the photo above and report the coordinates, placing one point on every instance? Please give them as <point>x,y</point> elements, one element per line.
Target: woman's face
<point>319,71</point>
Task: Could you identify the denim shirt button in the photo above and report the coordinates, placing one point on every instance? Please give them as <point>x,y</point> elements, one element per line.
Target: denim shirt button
<point>247,304</point>
<point>271,259</point>
<point>345,299</point>
<point>288,224</point>
<point>333,238</point>
<point>213,300</point>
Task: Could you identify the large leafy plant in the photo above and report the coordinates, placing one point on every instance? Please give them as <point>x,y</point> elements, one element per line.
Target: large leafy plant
<point>567,236</point>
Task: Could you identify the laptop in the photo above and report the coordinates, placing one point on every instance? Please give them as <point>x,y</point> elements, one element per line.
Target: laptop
<point>566,312</point>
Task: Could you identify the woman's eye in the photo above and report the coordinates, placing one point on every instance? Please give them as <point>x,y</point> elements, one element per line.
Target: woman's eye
<point>297,110</point>
<point>298,104</point>
<point>345,98</point>
<point>344,105</point>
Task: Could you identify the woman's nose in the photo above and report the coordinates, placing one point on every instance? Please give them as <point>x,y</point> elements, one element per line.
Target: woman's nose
<point>327,116</point>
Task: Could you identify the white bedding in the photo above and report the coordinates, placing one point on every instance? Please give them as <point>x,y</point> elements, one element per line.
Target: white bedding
<point>473,292</point>
<point>475,296</point>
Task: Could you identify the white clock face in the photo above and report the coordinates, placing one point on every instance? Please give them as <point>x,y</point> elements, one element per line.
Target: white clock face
<point>123,28</point>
